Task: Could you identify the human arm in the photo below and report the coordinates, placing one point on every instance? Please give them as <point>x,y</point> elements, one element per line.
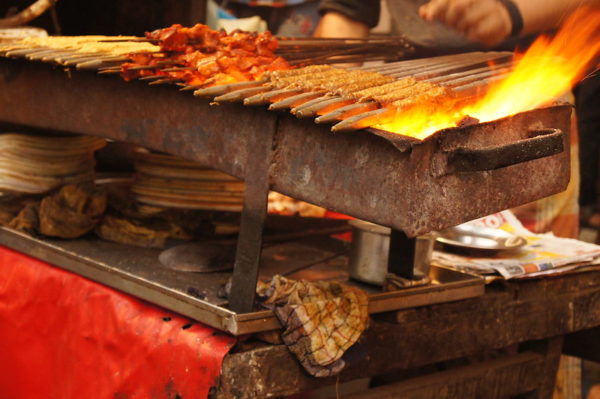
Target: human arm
<point>489,21</point>
<point>347,18</point>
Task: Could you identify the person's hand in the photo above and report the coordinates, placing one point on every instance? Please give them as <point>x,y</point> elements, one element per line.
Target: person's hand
<point>486,21</point>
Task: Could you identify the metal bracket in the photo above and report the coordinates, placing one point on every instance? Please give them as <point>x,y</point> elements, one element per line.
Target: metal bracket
<point>402,254</point>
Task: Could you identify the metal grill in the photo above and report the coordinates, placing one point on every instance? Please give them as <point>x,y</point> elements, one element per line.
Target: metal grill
<point>412,186</point>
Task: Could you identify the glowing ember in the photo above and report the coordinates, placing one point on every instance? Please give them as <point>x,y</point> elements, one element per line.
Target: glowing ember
<point>549,68</point>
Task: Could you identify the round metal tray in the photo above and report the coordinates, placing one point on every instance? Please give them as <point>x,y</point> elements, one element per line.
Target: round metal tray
<point>480,238</point>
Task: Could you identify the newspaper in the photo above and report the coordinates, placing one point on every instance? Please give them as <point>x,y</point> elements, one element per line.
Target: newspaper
<point>543,254</point>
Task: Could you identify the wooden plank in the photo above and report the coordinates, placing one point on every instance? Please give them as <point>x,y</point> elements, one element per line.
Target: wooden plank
<point>508,314</point>
<point>498,378</point>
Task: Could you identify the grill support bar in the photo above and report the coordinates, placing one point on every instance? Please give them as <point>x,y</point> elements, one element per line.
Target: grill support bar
<point>254,213</point>
<point>402,254</point>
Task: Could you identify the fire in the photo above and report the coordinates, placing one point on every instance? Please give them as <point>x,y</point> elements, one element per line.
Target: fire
<point>547,70</point>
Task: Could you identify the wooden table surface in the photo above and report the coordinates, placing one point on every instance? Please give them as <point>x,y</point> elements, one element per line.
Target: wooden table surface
<point>504,344</point>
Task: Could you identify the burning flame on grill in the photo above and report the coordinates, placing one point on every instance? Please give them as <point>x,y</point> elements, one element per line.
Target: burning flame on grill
<point>548,69</point>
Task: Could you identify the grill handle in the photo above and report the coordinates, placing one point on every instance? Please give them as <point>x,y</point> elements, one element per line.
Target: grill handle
<point>541,143</point>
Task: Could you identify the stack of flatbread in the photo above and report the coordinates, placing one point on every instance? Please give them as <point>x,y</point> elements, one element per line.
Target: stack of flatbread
<point>35,164</point>
<point>167,181</point>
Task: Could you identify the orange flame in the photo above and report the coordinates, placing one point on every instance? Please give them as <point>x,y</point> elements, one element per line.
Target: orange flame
<point>549,69</point>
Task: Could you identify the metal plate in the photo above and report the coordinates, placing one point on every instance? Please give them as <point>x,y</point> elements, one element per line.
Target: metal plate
<point>137,271</point>
<point>480,238</point>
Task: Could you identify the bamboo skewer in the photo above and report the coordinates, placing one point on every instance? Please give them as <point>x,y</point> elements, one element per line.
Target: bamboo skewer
<point>54,57</point>
<point>239,95</point>
<point>24,52</point>
<point>311,103</point>
<point>363,120</point>
<point>165,81</point>
<point>151,77</point>
<point>295,101</point>
<point>267,97</point>
<point>323,106</point>
<point>73,55</point>
<point>110,71</point>
<point>346,112</point>
<point>226,88</point>
<point>40,54</point>
<point>94,64</point>
<point>178,69</point>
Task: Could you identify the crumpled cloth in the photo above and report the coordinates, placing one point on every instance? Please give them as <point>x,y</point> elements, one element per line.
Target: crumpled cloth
<point>322,320</point>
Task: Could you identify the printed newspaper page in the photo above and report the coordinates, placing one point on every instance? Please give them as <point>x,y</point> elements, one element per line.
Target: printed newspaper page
<point>543,254</point>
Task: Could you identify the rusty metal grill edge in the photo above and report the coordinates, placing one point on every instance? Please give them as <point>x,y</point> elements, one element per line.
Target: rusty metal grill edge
<point>391,181</point>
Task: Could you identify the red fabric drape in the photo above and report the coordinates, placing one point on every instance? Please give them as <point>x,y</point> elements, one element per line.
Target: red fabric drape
<point>63,336</point>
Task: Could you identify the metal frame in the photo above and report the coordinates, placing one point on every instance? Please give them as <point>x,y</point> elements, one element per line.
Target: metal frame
<point>136,271</point>
<point>377,176</point>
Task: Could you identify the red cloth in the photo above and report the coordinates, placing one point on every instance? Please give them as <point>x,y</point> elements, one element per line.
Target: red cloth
<point>63,336</point>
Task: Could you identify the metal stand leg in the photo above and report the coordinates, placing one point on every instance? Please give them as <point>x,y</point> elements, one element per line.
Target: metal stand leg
<point>249,245</point>
<point>402,254</point>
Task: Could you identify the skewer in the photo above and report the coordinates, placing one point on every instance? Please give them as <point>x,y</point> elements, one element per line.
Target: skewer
<point>95,64</point>
<point>478,85</point>
<point>346,112</point>
<point>352,58</point>
<point>239,95</point>
<point>223,89</point>
<point>40,54</point>
<point>478,77</point>
<point>110,71</point>
<point>438,69</point>
<point>5,48</point>
<point>136,39</point>
<point>266,97</point>
<point>143,67</point>
<point>452,76</point>
<point>77,60</point>
<point>165,81</point>
<point>295,101</point>
<point>192,87</point>
<point>55,57</point>
<point>24,52</point>
<point>322,40</point>
<point>73,55</point>
<point>363,120</point>
<point>178,69</point>
<point>433,61</point>
<point>151,77</point>
<point>310,103</point>
<point>402,69</point>
<point>323,106</point>
<point>458,67</point>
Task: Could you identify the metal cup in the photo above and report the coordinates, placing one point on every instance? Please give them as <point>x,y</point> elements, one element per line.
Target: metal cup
<point>370,251</point>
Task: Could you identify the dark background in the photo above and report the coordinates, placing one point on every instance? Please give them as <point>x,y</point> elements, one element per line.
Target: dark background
<point>112,17</point>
